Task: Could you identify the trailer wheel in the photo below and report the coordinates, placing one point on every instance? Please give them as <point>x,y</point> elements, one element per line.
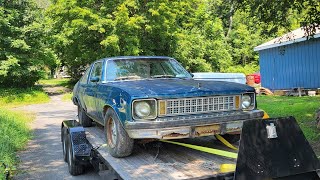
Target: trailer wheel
<point>118,141</point>
<point>64,144</point>
<point>231,138</point>
<point>74,169</point>
<point>84,120</point>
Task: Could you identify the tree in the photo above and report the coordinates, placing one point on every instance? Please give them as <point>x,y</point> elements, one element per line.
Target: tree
<point>279,13</point>
<point>23,52</point>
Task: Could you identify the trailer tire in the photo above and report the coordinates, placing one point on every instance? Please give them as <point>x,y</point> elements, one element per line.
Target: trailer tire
<point>74,168</point>
<point>64,143</point>
<point>231,138</point>
<point>118,141</point>
<point>84,120</point>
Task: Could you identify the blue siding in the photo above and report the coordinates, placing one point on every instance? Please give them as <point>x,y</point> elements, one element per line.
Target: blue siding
<point>297,66</point>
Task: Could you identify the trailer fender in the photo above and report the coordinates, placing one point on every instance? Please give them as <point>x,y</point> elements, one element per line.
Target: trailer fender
<point>80,145</point>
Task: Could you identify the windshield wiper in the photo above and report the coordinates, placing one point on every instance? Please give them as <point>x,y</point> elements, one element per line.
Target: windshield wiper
<point>167,76</point>
<point>127,77</point>
<point>163,76</point>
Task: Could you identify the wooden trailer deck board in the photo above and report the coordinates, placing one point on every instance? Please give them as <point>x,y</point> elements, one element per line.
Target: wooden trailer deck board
<point>162,160</point>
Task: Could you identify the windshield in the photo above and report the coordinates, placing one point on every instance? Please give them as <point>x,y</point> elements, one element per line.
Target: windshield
<point>124,69</point>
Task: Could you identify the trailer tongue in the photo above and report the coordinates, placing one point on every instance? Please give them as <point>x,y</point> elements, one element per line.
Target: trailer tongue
<point>269,149</point>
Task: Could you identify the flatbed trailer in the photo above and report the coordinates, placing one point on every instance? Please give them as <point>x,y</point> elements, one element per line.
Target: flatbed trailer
<point>160,160</point>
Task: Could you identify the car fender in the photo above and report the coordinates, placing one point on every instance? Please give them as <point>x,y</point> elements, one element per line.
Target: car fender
<point>121,104</point>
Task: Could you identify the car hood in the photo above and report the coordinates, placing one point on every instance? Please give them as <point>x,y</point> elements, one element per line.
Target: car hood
<point>175,88</point>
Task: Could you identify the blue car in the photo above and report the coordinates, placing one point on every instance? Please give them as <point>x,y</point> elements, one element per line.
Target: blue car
<point>153,97</point>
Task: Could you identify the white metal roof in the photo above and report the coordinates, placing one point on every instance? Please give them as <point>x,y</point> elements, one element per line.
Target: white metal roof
<point>295,36</point>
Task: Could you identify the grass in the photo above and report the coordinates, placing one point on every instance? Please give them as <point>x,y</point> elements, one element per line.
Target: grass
<point>302,108</point>
<point>14,129</point>
<point>14,133</point>
<point>55,82</point>
<point>67,96</point>
<point>12,97</point>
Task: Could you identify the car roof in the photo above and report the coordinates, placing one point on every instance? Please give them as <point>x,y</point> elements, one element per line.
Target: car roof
<point>136,57</point>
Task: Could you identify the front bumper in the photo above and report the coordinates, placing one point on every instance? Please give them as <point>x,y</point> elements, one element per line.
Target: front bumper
<point>191,125</point>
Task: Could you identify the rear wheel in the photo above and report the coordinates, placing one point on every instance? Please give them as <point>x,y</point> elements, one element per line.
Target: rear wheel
<point>74,168</point>
<point>231,138</point>
<point>84,120</point>
<point>118,141</point>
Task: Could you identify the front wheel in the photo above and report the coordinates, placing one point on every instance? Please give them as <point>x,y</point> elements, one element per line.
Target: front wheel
<point>118,141</point>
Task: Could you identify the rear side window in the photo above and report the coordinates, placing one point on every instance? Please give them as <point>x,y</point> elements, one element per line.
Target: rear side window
<point>96,70</point>
<point>84,78</point>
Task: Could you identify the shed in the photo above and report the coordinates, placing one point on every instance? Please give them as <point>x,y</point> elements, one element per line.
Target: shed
<point>290,61</point>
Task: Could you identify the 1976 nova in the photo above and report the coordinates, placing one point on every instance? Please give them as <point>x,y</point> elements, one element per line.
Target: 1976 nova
<point>148,97</point>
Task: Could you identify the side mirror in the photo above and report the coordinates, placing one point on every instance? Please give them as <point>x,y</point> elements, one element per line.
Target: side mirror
<point>192,74</point>
<point>94,79</point>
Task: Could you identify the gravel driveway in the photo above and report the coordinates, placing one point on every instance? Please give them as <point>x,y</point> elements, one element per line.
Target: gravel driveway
<point>42,158</point>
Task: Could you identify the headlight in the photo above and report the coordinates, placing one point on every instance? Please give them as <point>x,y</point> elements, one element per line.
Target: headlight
<point>144,109</point>
<point>248,101</point>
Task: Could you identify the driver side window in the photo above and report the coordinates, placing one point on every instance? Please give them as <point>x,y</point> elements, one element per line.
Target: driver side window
<point>84,78</point>
<point>96,71</point>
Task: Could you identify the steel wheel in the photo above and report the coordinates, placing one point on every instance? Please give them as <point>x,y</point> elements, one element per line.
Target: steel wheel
<point>112,133</point>
<point>119,144</point>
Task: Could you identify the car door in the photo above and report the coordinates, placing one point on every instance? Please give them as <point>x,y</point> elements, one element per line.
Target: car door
<point>90,93</point>
<point>83,84</point>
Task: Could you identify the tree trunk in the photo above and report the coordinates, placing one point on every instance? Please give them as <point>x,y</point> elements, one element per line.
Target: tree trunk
<point>231,12</point>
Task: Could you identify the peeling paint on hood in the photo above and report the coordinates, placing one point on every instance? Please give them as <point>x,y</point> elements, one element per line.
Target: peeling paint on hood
<point>177,88</point>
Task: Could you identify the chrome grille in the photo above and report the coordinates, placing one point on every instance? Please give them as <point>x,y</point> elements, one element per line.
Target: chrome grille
<point>200,105</point>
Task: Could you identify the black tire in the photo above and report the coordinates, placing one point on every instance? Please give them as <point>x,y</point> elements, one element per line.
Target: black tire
<point>64,144</point>
<point>118,141</point>
<point>84,120</point>
<point>74,169</point>
<point>231,138</point>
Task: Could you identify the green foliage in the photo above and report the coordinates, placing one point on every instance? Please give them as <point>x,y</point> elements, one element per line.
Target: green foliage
<point>84,32</point>
<point>67,97</point>
<point>246,69</point>
<point>15,131</point>
<point>14,135</point>
<point>204,35</point>
<point>11,97</point>
<point>54,82</point>
<point>23,51</point>
<point>302,108</point>
<point>279,14</point>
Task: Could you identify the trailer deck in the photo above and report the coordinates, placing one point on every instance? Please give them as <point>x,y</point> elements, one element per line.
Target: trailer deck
<point>159,160</point>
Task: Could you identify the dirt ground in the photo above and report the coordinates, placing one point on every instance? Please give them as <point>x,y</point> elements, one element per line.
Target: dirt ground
<point>42,159</point>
